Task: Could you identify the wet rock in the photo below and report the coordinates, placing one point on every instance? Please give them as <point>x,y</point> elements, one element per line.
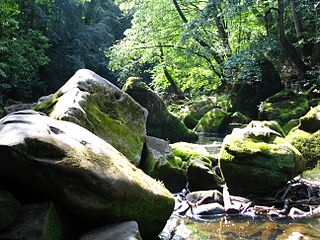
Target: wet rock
<point>215,120</point>
<point>203,197</point>
<point>201,176</point>
<point>119,231</point>
<point>206,209</point>
<point>80,171</point>
<point>97,105</point>
<point>284,106</point>
<point>38,221</point>
<point>159,162</point>
<point>9,207</point>
<point>306,136</point>
<point>161,123</point>
<point>258,160</point>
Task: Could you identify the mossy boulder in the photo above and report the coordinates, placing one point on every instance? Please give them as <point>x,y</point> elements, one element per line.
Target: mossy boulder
<point>81,172</point>
<point>9,208</point>
<point>160,123</point>
<point>284,106</point>
<point>191,112</point>
<point>258,160</point>
<point>38,221</point>
<point>239,117</point>
<point>290,125</point>
<point>215,120</point>
<point>199,164</point>
<point>159,162</point>
<point>97,105</point>
<point>273,125</point>
<point>306,136</point>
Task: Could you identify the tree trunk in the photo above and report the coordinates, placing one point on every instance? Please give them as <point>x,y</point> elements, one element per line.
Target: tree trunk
<point>289,49</point>
<point>296,19</point>
<point>168,76</point>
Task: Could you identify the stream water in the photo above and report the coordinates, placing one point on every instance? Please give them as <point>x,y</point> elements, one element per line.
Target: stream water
<point>230,227</point>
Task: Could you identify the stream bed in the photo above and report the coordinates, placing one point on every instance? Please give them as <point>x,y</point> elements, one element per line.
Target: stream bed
<point>230,227</point>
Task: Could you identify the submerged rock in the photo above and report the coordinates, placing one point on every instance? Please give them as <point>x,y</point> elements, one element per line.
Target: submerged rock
<point>80,171</point>
<point>119,231</point>
<point>159,162</point>
<point>97,105</point>
<point>306,136</point>
<point>284,106</point>
<point>161,123</point>
<point>258,160</point>
<point>215,120</point>
<point>9,208</point>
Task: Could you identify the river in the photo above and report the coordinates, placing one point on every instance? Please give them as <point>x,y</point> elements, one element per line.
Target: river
<point>235,227</point>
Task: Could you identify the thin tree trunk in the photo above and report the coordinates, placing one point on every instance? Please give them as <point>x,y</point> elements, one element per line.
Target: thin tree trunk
<point>168,76</point>
<point>296,19</point>
<point>302,68</point>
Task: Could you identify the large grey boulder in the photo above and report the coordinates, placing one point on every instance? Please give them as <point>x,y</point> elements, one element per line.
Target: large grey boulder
<point>80,171</point>
<point>97,105</point>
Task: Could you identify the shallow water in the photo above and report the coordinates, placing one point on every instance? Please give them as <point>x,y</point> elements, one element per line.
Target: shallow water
<point>229,228</point>
<point>241,228</point>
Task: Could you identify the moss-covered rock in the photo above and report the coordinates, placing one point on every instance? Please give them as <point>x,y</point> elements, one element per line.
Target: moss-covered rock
<point>38,221</point>
<point>284,106</point>
<point>199,164</point>
<point>273,125</point>
<point>191,112</point>
<point>97,105</point>
<point>80,171</point>
<point>160,123</point>
<point>258,160</point>
<point>159,162</point>
<point>239,117</point>
<point>290,125</point>
<point>9,208</point>
<point>306,136</point>
<point>215,120</point>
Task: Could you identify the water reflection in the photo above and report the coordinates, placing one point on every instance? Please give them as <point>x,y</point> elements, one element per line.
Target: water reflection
<point>241,228</point>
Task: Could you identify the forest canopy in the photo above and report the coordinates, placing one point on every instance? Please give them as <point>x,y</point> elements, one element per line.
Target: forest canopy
<point>182,48</point>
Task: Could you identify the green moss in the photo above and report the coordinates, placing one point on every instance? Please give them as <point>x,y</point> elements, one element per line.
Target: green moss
<point>215,120</point>
<point>189,151</point>
<point>307,144</point>
<point>47,105</point>
<point>54,227</point>
<point>122,135</point>
<point>284,106</point>
<point>290,125</point>
<point>253,155</point>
